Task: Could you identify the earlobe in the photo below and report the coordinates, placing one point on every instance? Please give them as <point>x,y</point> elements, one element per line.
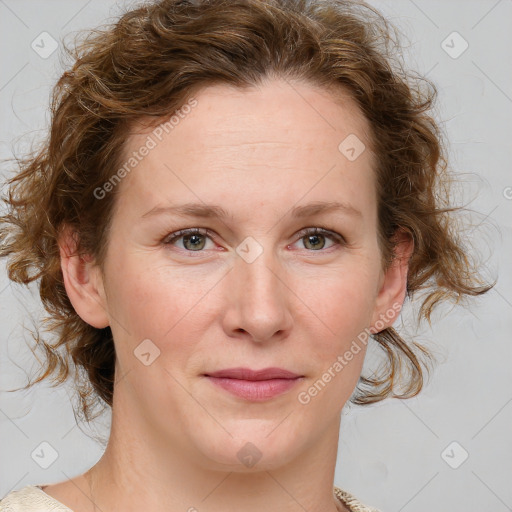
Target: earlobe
<point>393,287</point>
<point>83,282</point>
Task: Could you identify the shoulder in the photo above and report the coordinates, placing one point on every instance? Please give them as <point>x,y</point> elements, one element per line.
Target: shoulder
<point>351,502</point>
<point>31,498</point>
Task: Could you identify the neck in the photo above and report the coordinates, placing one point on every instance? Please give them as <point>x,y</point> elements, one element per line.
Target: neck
<point>142,470</point>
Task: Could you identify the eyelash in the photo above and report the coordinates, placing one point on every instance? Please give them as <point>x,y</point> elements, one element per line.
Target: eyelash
<point>335,237</point>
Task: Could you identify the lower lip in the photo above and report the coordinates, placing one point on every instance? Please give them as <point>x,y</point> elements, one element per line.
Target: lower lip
<point>255,390</point>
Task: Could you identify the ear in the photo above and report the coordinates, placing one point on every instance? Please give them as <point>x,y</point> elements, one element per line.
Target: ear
<point>83,282</point>
<point>393,284</point>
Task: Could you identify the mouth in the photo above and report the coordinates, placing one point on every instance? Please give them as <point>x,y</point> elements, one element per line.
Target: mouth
<point>255,385</point>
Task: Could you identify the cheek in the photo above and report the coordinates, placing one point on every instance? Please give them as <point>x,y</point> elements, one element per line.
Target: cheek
<point>337,319</point>
<point>340,304</point>
<point>158,302</point>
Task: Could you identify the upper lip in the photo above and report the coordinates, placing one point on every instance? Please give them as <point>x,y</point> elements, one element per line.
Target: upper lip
<point>248,374</point>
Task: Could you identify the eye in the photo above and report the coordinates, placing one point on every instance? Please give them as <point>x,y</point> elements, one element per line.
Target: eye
<point>196,239</point>
<point>315,238</point>
<point>193,239</point>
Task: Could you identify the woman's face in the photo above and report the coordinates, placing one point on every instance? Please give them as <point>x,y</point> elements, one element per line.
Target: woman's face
<point>260,290</point>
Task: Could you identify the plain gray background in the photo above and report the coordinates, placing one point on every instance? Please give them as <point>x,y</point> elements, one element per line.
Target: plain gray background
<point>449,448</point>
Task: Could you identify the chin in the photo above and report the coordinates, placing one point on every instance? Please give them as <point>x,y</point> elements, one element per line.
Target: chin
<point>250,450</point>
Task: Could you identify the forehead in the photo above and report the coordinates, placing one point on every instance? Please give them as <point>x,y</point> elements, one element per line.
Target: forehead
<point>277,110</point>
<point>283,136</point>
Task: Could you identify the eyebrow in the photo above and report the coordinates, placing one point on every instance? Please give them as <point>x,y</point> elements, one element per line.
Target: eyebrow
<point>203,210</point>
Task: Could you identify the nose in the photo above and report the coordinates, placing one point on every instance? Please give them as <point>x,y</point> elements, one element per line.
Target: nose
<point>258,300</point>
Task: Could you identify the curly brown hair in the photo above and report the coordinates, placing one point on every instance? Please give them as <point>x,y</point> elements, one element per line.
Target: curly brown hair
<point>149,63</point>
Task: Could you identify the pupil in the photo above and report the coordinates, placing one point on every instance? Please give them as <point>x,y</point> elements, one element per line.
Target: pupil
<point>195,241</point>
<point>314,239</point>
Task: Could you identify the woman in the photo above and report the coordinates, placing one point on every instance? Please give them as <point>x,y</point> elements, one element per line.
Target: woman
<point>234,200</point>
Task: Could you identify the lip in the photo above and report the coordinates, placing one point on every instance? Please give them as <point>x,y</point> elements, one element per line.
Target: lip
<point>248,374</point>
<point>255,385</point>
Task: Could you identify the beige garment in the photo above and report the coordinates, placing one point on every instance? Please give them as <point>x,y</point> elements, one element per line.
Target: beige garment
<point>32,498</point>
